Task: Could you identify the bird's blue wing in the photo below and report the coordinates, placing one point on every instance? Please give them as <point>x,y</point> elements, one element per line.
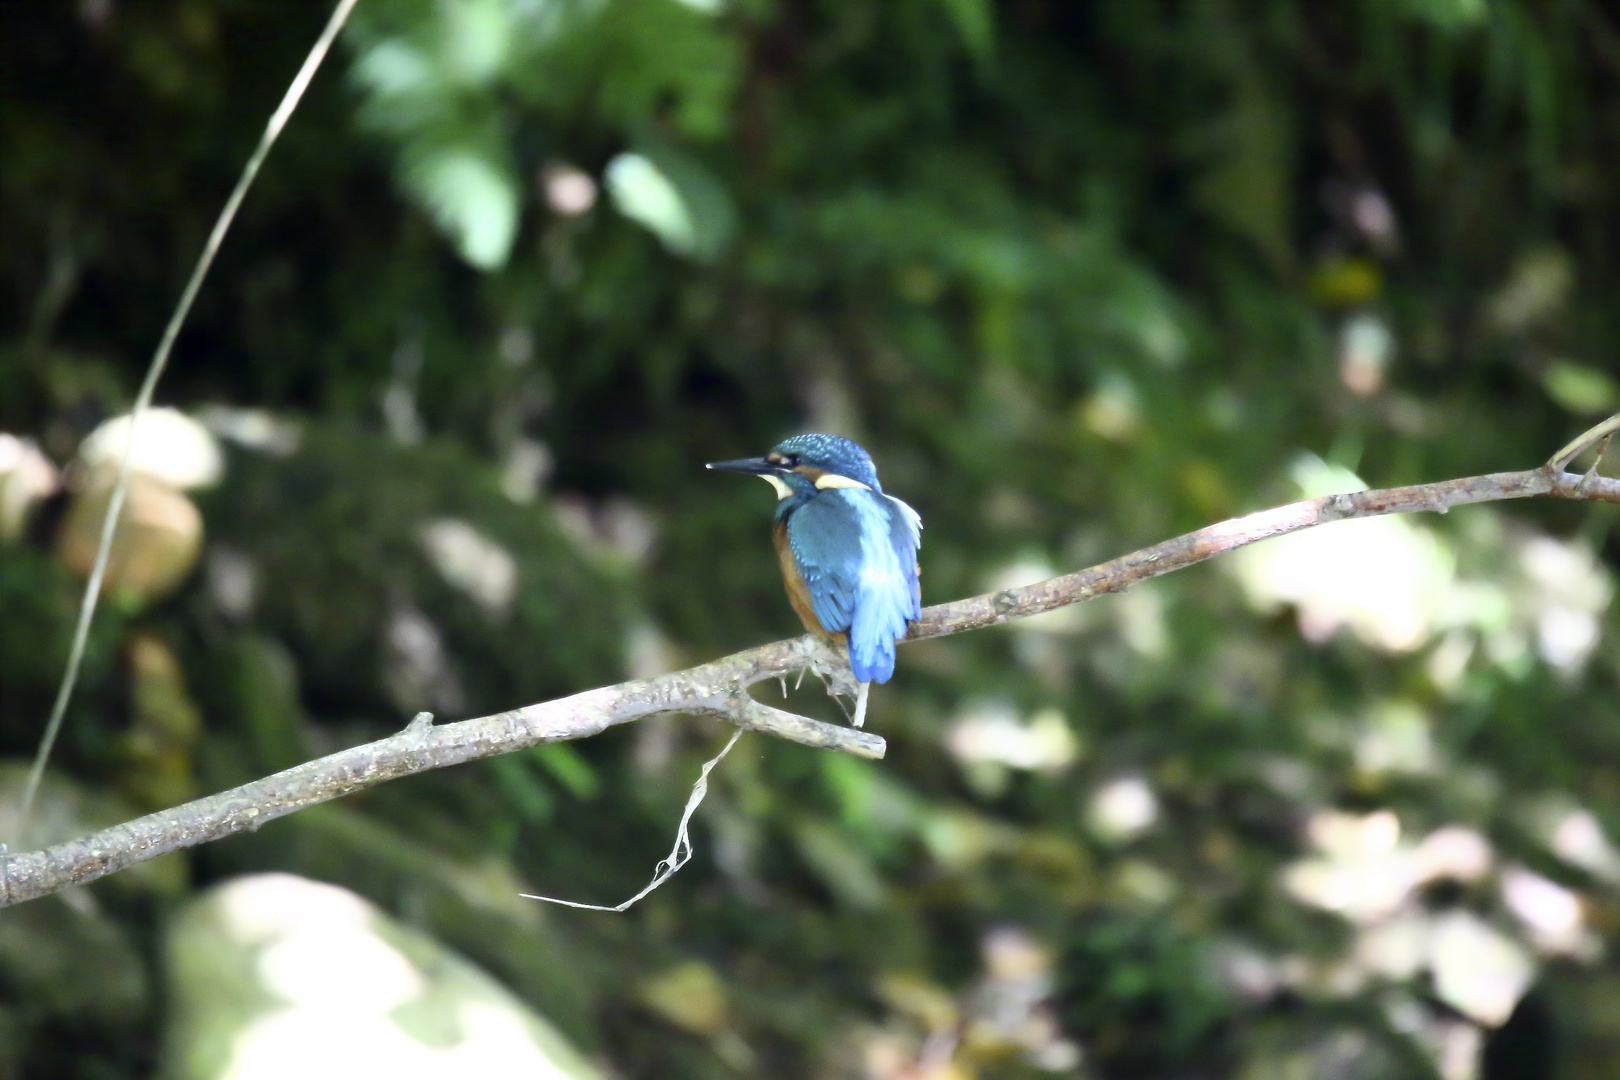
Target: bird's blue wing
<point>857,553</point>
<point>824,538</point>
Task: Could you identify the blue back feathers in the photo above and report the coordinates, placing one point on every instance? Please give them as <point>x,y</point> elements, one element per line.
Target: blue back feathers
<point>856,550</point>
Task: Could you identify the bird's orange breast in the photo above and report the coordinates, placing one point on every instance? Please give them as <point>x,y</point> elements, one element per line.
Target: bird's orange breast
<point>798,594</point>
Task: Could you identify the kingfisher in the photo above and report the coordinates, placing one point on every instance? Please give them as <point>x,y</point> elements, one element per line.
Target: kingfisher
<point>848,552</point>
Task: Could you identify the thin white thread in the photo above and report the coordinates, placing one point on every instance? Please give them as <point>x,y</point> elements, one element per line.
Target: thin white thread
<point>160,360</point>
<point>679,855</point>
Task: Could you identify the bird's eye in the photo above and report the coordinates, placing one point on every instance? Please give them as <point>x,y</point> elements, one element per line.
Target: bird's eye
<point>792,461</point>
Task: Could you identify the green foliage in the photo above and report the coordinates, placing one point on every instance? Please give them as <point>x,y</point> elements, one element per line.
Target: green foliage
<point>452,84</point>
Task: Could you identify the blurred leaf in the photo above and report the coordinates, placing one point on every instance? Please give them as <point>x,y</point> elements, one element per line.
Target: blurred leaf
<point>1580,389</point>
<point>1540,282</point>
<point>73,964</point>
<point>841,866</point>
<point>690,996</point>
<point>1450,15</point>
<point>473,198</point>
<point>519,785</point>
<point>1247,179</point>
<point>975,20</point>
<point>570,769</point>
<point>1346,282</point>
<point>476,35</point>
<point>675,198</point>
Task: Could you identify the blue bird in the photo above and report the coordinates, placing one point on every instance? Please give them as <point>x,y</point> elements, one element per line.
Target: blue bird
<point>848,552</point>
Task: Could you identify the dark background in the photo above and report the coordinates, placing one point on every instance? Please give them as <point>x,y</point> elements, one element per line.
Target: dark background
<point>1080,275</point>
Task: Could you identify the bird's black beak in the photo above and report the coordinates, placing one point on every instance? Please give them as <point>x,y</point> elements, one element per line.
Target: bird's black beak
<point>757,466</point>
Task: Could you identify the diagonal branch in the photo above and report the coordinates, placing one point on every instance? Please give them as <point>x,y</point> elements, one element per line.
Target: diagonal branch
<point>1195,547</point>
<point>719,688</point>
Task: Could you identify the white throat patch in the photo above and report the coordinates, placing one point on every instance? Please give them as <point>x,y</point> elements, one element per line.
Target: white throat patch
<point>782,490</point>
<point>833,480</point>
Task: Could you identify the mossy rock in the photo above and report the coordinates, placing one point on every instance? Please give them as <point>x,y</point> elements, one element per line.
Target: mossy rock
<point>337,538</point>
<point>274,974</point>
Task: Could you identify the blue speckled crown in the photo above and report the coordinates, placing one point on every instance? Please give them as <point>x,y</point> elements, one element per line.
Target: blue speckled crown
<point>834,454</point>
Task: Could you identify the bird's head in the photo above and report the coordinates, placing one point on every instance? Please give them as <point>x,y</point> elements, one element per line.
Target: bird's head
<point>806,464</point>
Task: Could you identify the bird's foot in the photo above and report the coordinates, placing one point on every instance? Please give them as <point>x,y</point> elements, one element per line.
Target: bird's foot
<point>860,704</point>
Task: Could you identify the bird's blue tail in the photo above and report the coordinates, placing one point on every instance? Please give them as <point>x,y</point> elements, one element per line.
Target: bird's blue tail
<point>880,619</point>
<point>871,651</point>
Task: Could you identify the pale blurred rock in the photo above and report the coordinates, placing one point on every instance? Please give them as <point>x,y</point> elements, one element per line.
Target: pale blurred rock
<point>254,429</point>
<point>26,476</point>
<point>156,545</point>
<point>472,563</point>
<point>169,446</point>
<point>993,732</point>
<point>275,975</point>
<point>418,669</point>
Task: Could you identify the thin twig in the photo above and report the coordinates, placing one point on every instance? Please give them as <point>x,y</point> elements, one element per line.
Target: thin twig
<point>154,371</point>
<point>1590,437</point>
<point>745,712</point>
<point>1597,459</point>
<point>718,688</point>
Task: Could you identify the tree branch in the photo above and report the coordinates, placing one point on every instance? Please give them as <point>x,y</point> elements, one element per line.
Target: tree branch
<point>719,688</point>
<point>1194,547</point>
